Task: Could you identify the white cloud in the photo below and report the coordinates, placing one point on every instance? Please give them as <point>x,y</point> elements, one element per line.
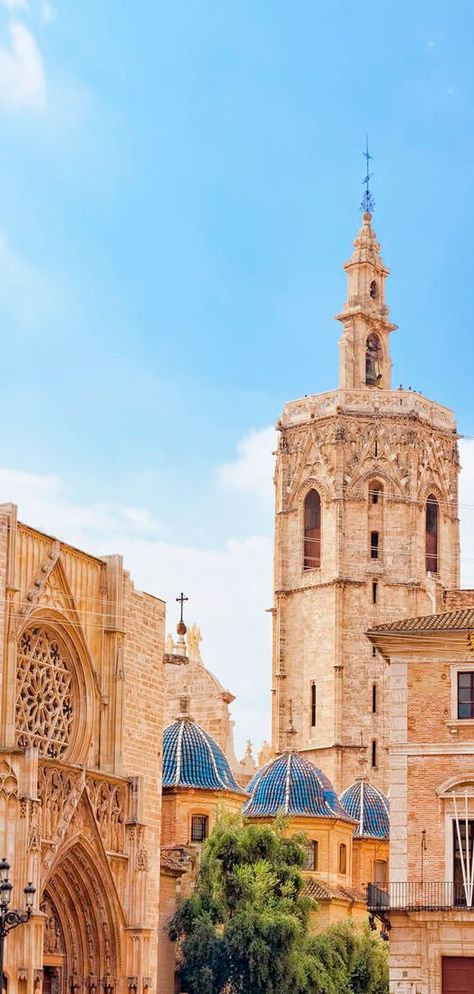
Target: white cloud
<point>43,502</point>
<point>22,76</point>
<point>252,471</point>
<point>229,587</point>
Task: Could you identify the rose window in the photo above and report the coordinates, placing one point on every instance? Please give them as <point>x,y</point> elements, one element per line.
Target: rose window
<point>45,693</point>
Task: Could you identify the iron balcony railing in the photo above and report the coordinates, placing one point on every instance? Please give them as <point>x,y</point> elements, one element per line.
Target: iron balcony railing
<point>418,896</point>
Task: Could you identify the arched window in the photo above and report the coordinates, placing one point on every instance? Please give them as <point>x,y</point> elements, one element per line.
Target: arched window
<point>375,492</point>
<point>342,858</point>
<point>432,517</point>
<point>312,530</point>
<point>373,290</point>
<point>199,828</point>
<point>372,360</point>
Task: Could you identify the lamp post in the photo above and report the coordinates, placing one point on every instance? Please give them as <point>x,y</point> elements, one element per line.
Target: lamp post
<point>11,919</point>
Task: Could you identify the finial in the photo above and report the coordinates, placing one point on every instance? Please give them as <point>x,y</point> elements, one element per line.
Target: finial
<point>181,627</point>
<point>291,730</point>
<point>367,205</point>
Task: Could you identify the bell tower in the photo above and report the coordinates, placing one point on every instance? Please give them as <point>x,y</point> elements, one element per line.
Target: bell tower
<point>364,346</point>
<point>366,530</point>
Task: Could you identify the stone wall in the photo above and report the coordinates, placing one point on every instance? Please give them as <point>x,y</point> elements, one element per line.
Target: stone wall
<point>321,615</point>
<point>81,769</point>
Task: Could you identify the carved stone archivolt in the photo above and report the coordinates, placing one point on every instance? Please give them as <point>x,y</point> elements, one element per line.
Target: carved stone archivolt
<point>53,941</point>
<point>46,698</point>
<point>81,920</point>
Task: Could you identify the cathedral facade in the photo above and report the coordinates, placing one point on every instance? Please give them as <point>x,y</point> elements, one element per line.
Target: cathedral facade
<point>80,766</point>
<point>366,528</point>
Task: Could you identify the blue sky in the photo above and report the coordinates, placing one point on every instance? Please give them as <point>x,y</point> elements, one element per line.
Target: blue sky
<point>179,187</point>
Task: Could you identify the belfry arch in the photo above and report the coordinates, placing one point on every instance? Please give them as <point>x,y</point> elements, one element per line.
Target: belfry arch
<point>82,951</point>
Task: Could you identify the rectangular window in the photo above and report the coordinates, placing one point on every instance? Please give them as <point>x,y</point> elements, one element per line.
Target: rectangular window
<point>380,871</point>
<point>199,824</point>
<point>375,591</point>
<point>313,704</point>
<point>374,698</point>
<point>374,754</point>
<point>374,545</point>
<point>462,855</point>
<point>466,695</point>
<point>311,861</point>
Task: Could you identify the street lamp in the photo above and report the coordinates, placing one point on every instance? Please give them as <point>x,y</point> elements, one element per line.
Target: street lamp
<point>11,919</point>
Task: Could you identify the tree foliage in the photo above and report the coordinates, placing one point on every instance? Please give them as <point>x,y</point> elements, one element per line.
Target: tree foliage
<point>245,927</point>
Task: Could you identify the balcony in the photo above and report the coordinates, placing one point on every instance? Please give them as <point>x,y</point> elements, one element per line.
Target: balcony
<point>419,896</point>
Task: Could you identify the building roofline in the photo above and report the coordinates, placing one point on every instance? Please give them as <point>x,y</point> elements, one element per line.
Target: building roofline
<point>447,621</point>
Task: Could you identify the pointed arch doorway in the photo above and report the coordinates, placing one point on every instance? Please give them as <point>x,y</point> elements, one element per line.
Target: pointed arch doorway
<point>81,948</point>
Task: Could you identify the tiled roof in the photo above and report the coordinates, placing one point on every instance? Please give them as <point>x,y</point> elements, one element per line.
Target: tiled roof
<point>291,785</point>
<point>192,758</point>
<point>170,864</point>
<point>317,890</point>
<point>450,620</point>
<point>320,891</point>
<point>370,808</point>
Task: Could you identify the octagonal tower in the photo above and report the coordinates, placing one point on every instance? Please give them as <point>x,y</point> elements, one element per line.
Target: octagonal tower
<point>366,529</point>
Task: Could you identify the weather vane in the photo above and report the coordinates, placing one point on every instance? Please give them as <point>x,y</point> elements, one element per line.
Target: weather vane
<point>367,203</point>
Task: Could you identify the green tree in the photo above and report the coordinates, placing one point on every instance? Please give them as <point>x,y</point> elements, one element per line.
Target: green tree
<point>353,960</point>
<point>245,926</point>
<point>244,930</point>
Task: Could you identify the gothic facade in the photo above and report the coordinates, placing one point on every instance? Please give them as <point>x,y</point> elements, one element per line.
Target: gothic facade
<point>366,528</point>
<point>80,744</point>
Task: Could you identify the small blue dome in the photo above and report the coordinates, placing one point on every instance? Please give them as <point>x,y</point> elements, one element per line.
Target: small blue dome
<point>292,785</point>
<point>370,808</point>
<point>192,758</point>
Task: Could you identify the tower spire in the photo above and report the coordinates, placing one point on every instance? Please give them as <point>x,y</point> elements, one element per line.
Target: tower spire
<point>364,346</point>
<point>367,204</point>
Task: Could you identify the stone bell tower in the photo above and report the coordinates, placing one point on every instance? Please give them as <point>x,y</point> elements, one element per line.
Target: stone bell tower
<point>366,529</point>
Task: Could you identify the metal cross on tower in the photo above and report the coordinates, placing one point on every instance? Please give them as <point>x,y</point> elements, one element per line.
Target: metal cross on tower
<point>367,203</point>
<point>181,600</point>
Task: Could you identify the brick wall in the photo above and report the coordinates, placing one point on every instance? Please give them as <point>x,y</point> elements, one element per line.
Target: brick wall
<point>454,600</point>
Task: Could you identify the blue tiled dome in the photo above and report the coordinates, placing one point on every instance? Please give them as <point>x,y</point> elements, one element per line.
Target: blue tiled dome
<point>292,785</point>
<point>191,758</point>
<point>370,808</point>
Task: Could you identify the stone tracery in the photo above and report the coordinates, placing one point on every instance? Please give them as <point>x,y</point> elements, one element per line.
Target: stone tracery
<point>45,705</point>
